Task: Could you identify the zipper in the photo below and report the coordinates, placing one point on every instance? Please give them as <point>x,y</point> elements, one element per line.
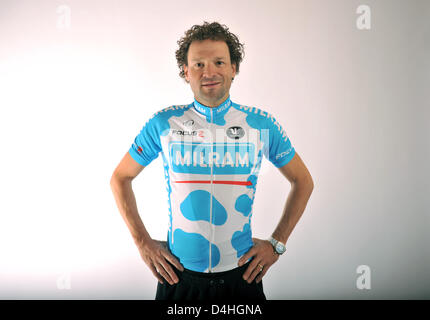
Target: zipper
<point>211,196</point>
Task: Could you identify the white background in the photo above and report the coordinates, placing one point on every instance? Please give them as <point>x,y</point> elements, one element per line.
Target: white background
<point>74,94</point>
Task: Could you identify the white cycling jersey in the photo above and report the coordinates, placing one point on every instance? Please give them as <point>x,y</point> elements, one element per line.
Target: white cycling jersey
<point>211,158</point>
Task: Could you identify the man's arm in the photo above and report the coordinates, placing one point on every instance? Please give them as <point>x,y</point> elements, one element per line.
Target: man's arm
<point>154,253</point>
<point>302,186</point>
<point>121,185</point>
<point>301,189</point>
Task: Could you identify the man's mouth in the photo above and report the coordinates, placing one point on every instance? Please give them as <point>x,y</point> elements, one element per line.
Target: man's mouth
<point>212,84</point>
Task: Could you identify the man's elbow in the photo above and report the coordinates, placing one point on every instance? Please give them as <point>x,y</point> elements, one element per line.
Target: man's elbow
<point>116,179</point>
<point>305,182</point>
<point>311,183</point>
<point>113,180</point>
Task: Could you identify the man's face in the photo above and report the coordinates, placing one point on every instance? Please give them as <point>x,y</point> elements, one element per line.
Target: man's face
<point>209,71</point>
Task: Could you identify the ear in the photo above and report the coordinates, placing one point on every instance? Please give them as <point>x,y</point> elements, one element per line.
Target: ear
<point>186,73</point>
<point>233,66</point>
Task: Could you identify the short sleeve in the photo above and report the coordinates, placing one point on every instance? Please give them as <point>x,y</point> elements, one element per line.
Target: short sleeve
<point>146,146</point>
<point>278,148</point>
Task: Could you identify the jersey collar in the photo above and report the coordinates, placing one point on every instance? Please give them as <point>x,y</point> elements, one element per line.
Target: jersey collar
<point>217,111</point>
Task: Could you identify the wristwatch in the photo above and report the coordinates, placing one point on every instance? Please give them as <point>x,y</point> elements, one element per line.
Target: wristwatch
<point>277,246</point>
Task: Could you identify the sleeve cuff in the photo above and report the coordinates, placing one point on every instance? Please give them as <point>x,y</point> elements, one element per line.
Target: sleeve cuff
<point>286,159</point>
<point>137,157</point>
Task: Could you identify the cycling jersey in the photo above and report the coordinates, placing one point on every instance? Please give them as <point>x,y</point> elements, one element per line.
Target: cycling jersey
<point>211,159</point>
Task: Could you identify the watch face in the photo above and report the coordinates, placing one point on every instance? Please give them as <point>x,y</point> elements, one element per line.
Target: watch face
<point>280,248</point>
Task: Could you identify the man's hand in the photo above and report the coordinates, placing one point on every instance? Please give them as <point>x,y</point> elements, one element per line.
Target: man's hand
<point>155,254</point>
<point>264,257</point>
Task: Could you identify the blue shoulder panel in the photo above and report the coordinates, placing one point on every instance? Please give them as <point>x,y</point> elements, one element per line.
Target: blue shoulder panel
<point>277,146</point>
<point>147,145</point>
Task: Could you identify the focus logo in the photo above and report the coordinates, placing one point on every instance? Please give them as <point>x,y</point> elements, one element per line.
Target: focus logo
<point>189,123</point>
<point>184,133</point>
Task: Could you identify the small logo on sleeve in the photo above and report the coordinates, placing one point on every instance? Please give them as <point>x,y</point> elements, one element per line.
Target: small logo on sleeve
<point>283,154</point>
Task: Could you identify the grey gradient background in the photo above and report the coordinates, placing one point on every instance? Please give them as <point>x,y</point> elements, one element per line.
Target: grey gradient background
<point>355,104</point>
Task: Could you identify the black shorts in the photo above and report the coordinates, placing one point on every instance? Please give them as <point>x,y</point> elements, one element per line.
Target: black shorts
<point>199,286</point>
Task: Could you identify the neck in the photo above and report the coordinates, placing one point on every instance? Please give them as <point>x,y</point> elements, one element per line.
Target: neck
<point>213,104</point>
<point>214,111</point>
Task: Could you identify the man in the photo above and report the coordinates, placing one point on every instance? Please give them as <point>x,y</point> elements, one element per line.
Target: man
<point>212,151</point>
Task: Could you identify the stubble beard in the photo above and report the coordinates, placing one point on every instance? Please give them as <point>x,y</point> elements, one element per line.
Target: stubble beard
<point>213,97</point>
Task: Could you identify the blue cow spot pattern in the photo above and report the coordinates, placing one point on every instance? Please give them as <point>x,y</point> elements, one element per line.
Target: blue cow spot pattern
<point>253,179</point>
<point>243,204</point>
<point>193,250</point>
<point>196,206</point>
<point>241,240</point>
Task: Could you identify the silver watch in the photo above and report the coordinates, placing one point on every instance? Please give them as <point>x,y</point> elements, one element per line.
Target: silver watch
<point>277,246</point>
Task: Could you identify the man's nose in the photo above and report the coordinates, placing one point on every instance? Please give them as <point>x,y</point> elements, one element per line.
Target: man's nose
<point>209,70</point>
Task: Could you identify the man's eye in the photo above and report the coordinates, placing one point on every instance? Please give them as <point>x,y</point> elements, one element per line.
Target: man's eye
<point>198,64</point>
<point>220,62</point>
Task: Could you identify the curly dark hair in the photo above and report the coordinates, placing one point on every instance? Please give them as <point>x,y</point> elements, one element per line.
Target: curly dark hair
<point>212,31</point>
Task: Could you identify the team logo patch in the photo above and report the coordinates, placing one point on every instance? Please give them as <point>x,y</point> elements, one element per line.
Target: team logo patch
<point>189,123</point>
<point>235,132</point>
<point>224,158</point>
